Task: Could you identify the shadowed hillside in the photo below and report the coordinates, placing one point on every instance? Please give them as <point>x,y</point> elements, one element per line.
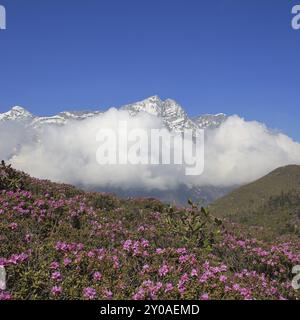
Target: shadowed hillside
<point>272,201</point>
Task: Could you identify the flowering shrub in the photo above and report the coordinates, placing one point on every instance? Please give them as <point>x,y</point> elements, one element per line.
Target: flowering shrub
<point>57,242</point>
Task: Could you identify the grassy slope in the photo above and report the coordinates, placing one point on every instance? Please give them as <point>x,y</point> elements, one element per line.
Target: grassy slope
<point>272,201</point>
<point>58,242</point>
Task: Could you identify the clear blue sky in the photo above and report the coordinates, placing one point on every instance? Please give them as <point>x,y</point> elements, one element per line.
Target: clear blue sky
<point>233,56</point>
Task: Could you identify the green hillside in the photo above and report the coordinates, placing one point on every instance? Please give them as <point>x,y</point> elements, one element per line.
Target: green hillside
<point>272,201</point>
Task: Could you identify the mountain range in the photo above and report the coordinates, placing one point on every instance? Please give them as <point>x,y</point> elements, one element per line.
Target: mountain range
<point>172,114</point>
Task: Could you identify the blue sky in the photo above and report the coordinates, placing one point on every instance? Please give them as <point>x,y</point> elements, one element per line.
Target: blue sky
<point>232,56</point>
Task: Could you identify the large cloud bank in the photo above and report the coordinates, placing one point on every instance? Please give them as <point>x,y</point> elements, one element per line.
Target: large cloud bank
<point>235,153</point>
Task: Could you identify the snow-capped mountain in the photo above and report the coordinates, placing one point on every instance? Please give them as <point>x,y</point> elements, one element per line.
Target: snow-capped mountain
<point>173,115</point>
<point>63,117</point>
<point>16,113</point>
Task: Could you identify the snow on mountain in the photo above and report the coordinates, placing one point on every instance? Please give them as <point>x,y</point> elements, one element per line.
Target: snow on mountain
<point>63,117</point>
<point>152,105</point>
<point>209,120</point>
<point>173,115</point>
<point>16,113</point>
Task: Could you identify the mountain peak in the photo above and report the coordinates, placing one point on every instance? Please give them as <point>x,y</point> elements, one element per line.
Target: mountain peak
<point>153,99</point>
<point>18,108</point>
<point>16,113</point>
<point>152,105</point>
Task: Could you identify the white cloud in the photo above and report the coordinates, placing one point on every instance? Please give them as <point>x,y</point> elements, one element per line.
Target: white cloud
<point>235,153</point>
<point>239,152</point>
